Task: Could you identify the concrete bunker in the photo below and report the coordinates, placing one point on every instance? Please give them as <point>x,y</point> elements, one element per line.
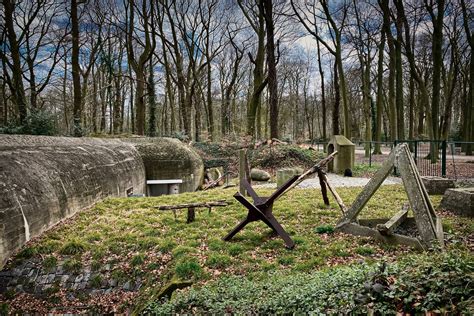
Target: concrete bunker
<point>169,159</point>
<point>44,180</point>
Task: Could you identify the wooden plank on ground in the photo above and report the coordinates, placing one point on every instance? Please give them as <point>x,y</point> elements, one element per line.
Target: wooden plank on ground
<point>389,227</point>
<point>355,229</point>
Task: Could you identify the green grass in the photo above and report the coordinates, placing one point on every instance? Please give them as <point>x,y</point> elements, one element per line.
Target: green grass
<point>188,269</point>
<point>416,284</point>
<point>72,265</point>
<point>136,239</point>
<point>365,170</point>
<point>49,262</point>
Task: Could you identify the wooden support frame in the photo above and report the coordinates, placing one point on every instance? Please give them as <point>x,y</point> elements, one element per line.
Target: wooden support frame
<point>427,222</point>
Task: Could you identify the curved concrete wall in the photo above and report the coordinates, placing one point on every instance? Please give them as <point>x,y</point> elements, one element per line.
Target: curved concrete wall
<point>46,179</point>
<point>168,158</point>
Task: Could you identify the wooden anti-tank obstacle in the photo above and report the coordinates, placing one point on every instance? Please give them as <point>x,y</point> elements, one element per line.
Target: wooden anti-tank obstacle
<point>427,222</point>
<point>262,207</point>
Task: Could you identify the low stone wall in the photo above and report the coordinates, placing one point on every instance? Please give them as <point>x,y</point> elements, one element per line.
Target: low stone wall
<point>44,180</point>
<point>459,201</point>
<point>437,185</point>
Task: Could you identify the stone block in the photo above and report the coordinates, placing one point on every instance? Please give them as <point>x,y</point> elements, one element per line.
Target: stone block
<point>437,185</point>
<point>259,175</point>
<point>345,154</point>
<point>286,174</point>
<point>459,201</point>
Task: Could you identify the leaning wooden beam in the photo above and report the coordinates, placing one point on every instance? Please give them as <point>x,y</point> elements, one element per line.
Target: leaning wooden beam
<point>336,196</point>
<point>323,185</point>
<point>419,204</point>
<point>368,191</point>
<point>215,183</point>
<point>312,170</point>
<point>389,227</point>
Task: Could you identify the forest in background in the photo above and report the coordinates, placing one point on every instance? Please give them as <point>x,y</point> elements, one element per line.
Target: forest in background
<point>374,70</point>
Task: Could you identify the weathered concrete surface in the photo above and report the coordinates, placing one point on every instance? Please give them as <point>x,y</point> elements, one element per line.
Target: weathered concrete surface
<point>437,185</point>
<point>168,158</point>
<point>345,154</point>
<point>46,179</point>
<point>459,201</point>
<point>286,174</point>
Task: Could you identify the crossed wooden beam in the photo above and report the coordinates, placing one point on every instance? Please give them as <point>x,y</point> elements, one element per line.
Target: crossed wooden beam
<point>262,207</point>
<point>261,210</point>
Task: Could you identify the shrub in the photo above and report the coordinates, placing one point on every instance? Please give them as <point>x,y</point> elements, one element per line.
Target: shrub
<point>415,285</point>
<point>72,265</point>
<point>324,229</point>
<point>138,259</point>
<point>235,250</point>
<point>38,122</point>
<point>181,251</point>
<point>96,281</point>
<point>26,253</point>
<point>188,269</point>
<point>364,251</point>
<point>49,247</point>
<point>218,261</point>
<point>49,262</point>
<point>73,247</point>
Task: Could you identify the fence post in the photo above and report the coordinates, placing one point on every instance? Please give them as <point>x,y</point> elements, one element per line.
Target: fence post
<point>443,159</point>
<point>370,154</point>
<point>242,170</point>
<point>394,168</point>
<point>416,152</point>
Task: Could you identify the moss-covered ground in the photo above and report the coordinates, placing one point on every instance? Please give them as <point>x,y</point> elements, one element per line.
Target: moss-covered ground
<point>136,240</point>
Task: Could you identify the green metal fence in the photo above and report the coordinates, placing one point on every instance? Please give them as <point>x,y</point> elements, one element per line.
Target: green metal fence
<point>433,157</point>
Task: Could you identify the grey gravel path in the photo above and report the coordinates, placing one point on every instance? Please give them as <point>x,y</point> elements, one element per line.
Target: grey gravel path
<point>336,181</point>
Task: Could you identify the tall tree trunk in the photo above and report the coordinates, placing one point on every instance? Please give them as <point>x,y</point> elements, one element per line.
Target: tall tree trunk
<point>272,71</point>
<point>95,103</point>
<point>411,118</point>
<point>76,76</point>
<point>151,102</point>
<point>337,102</point>
<point>399,104</point>
<point>323,93</point>
<point>379,101</point>
<point>140,101</point>
<point>384,4</point>
<point>437,64</point>
<point>259,81</point>
<point>18,90</point>
<point>210,112</point>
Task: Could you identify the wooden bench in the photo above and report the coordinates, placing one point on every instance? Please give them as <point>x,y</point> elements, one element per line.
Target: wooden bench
<point>161,187</point>
<point>191,208</point>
